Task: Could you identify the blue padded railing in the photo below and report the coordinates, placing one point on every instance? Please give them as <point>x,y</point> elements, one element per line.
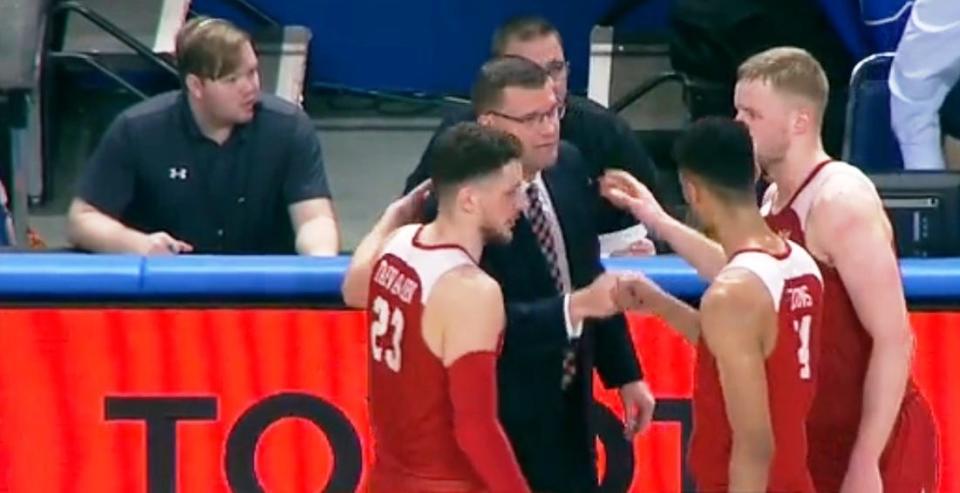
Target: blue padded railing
<point>59,277</point>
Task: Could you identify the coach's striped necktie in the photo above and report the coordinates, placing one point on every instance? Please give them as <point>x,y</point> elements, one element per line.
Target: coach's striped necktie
<point>541,229</point>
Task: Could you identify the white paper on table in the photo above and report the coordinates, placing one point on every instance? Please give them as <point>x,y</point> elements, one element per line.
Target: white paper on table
<point>622,239</point>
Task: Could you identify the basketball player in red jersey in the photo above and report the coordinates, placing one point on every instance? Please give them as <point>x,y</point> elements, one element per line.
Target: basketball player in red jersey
<point>870,429</point>
<point>436,323</point>
<point>757,330</point>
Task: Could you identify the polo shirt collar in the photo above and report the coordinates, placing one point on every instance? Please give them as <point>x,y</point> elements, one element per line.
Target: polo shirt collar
<point>193,130</point>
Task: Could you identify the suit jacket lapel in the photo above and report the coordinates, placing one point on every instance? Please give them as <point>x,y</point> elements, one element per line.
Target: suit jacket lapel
<point>566,201</point>
<point>528,255</point>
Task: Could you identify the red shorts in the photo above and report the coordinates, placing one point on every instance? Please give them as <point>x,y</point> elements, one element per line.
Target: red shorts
<point>909,464</point>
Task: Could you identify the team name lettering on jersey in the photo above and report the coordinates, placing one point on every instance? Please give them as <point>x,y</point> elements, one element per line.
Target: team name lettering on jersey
<point>799,297</point>
<point>390,278</point>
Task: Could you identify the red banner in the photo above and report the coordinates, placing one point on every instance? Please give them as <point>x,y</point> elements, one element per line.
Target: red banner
<point>197,400</point>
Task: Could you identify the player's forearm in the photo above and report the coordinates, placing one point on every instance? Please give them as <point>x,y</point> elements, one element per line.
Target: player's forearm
<point>319,237</point>
<point>357,277</point>
<point>887,373</point>
<point>97,232</point>
<point>680,316</point>
<point>750,464</point>
<point>704,254</point>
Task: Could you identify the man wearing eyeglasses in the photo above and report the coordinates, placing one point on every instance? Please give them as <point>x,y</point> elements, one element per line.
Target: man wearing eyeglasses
<point>603,138</point>
<point>562,314</point>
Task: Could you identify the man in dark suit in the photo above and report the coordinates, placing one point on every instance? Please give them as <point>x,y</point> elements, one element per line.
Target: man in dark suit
<point>562,315</point>
<point>603,138</point>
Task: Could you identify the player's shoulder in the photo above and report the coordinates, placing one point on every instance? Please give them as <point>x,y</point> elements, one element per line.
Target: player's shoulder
<point>468,281</point>
<point>733,308</point>
<point>799,268</point>
<point>469,305</point>
<point>801,258</point>
<point>736,289</point>
<point>397,241</point>
<point>774,271</point>
<point>843,181</point>
<point>846,195</point>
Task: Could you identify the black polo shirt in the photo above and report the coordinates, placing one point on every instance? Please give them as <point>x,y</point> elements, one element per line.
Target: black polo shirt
<point>603,138</point>
<point>155,171</point>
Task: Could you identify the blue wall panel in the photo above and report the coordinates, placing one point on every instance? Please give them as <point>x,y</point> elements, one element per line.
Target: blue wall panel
<point>425,46</point>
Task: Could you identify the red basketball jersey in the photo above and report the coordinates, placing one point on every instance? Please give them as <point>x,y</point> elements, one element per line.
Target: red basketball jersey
<point>410,406</point>
<point>835,416</point>
<point>795,292</point>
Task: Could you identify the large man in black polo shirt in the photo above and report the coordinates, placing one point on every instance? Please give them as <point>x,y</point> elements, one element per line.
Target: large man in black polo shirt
<point>216,167</point>
<point>604,139</point>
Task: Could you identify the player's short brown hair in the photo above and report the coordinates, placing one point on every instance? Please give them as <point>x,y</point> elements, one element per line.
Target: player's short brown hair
<point>209,48</point>
<point>467,151</point>
<point>790,70</point>
<point>525,28</point>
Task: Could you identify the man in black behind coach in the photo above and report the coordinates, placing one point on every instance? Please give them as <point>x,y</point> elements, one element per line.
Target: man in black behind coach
<point>604,139</point>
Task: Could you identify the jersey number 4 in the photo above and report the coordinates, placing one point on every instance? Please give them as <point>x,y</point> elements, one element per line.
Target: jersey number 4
<point>386,331</point>
<point>802,328</point>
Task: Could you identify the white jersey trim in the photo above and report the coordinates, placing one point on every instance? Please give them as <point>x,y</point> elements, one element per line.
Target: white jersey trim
<point>429,263</point>
<point>803,201</point>
<point>774,272</point>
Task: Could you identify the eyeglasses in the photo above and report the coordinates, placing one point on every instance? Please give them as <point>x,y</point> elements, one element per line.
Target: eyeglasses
<point>557,68</point>
<point>555,114</point>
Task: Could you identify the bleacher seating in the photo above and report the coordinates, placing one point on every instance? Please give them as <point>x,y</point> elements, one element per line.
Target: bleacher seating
<point>869,142</point>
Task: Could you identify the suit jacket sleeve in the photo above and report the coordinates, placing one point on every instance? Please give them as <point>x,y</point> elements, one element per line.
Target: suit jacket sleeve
<point>536,326</point>
<point>616,359</point>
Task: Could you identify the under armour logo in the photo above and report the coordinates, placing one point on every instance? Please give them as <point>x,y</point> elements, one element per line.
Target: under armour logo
<point>178,173</point>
